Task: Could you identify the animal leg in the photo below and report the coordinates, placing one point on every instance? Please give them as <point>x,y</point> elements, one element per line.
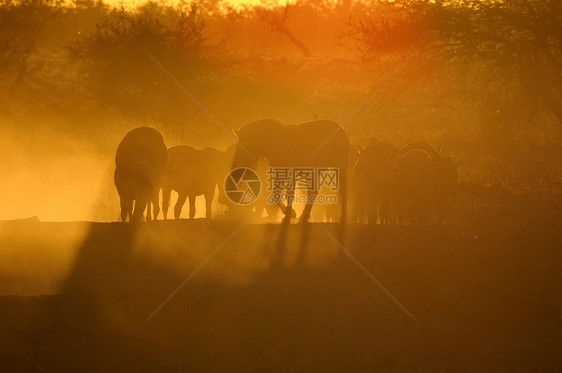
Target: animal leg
<point>179,204</point>
<point>148,210</point>
<point>140,207</point>
<point>284,209</point>
<point>372,212</point>
<point>156,204</point>
<point>271,210</point>
<point>166,194</point>
<point>354,211</point>
<point>343,195</point>
<point>403,206</point>
<point>192,206</point>
<point>208,203</point>
<point>309,203</point>
<point>126,208</point>
<point>290,198</point>
<point>384,212</point>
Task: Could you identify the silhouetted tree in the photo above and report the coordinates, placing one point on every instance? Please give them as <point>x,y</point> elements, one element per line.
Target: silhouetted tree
<point>276,21</point>
<point>506,52</point>
<point>23,25</point>
<point>116,67</point>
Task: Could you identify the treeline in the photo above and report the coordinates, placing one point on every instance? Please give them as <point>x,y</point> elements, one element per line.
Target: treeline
<point>477,71</point>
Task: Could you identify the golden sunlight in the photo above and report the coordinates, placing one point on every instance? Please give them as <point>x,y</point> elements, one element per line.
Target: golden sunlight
<point>291,186</point>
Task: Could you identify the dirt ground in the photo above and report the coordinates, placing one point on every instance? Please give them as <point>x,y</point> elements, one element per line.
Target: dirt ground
<point>485,290</point>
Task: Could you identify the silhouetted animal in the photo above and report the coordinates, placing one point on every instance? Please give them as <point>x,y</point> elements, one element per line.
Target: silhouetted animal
<point>190,173</point>
<point>372,189</point>
<point>229,157</point>
<point>261,203</point>
<point>140,161</point>
<point>445,177</point>
<point>316,144</point>
<point>415,175</point>
<point>331,212</point>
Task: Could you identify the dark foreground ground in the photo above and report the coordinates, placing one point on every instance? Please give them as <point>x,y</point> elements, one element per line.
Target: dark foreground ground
<point>486,292</point>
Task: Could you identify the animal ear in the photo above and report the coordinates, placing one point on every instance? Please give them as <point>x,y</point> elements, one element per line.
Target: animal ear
<point>236,133</point>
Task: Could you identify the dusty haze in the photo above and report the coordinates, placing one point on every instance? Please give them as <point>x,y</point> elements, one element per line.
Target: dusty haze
<point>68,99</point>
<point>469,282</point>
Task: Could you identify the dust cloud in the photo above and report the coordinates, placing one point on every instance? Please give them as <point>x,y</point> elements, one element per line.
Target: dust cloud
<point>448,259</point>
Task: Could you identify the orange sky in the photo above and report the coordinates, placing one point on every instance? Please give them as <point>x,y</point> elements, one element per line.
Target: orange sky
<point>136,2</point>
